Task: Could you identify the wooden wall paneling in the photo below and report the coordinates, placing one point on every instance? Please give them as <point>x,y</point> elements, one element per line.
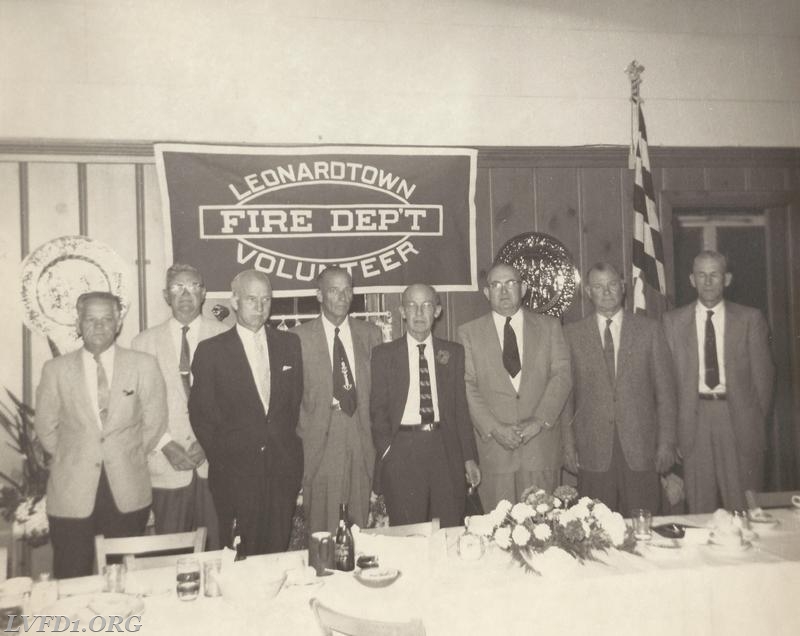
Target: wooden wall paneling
<point>465,306</point>
<point>512,204</point>
<point>793,292</point>
<point>601,217</point>
<point>156,265</point>
<point>557,209</point>
<point>111,212</point>
<point>763,177</point>
<point>10,247</point>
<point>626,178</point>
<point>781,460</point>
<point>683,178</point>
<point>725,178</point>
<point>54,212</point>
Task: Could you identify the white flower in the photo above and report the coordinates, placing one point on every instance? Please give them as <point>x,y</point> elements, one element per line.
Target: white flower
<point>542,531</point>
<point>615,527</point>
<point>502,537</point>
<point>601,511</point>
<point>557,502</point>
<point>503,506</point>
<point>521,511</point>
<point>542,508</point>
<point>521,535</point>
<point>480,524</point>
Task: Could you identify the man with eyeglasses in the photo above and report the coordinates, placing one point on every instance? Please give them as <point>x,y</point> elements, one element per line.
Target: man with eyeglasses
<point>518,379</point>
<point>178,466</point>
<point>244,405</point>
<point>619,425</point>
<point>420,421</point>
<point>334,416</point>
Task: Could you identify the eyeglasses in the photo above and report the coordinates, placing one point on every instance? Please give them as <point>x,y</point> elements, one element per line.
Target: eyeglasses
<point>179,288</point>
<point>509,284</point>
<point>612,286</point>
<point>426,307</point>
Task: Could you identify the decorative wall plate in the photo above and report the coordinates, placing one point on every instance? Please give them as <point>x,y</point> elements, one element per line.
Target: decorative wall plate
<point>56,273</point>
<point>546,268</point>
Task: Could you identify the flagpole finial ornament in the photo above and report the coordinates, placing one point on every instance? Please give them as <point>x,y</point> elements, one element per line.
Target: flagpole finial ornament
<point>634,72</point>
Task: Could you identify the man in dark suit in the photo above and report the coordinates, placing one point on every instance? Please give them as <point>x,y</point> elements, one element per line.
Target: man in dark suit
<point>518,379</point>
<point>420,421</point>
<point>244,404</point>
<point>178,466</point>
<point>99,411</point>
<point>334,416</point>
<point>725,381</point>
<point>619,426</point>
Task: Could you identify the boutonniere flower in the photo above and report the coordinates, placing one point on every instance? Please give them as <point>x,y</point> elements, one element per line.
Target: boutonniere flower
<point>442,356</point>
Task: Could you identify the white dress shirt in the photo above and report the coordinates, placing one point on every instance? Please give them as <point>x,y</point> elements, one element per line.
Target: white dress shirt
<point>411,413</point>
<point>248,339</point>
<point>517,324</point>
<point>718,320</point>
<point>616,331</point>
<point>90,375</point>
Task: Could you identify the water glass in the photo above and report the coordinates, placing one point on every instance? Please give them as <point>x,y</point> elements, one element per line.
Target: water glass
<point>642,521</point>
<point>188,578</point>
<point>211,570</point>
<point>114,577</point>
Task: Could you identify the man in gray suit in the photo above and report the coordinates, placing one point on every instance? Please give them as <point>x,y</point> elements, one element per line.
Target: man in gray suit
<point>725,381</point>
<point>99,411</point>
<point>178,466</point>
<point>518,378</point>
<point>619,426</point>
<point>334,424</point>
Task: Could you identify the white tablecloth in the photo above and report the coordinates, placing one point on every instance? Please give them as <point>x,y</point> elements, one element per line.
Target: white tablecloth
<point>695,590</point>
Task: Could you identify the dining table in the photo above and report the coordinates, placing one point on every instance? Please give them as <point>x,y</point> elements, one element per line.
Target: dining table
<point>672,588</point>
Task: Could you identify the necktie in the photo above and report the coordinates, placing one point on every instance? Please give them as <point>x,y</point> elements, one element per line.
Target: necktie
<point>263,371</point>
<point>510,351</point>
<point>103,391</point>
<point>608,350</point>
<point>185,366</point>
<point>425,396</point>
<point>712,364</point>
<point>344,388</point>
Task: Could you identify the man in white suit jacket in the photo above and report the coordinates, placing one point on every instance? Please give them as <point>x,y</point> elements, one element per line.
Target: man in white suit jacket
<point>178,466</point>
<point>99,411</point>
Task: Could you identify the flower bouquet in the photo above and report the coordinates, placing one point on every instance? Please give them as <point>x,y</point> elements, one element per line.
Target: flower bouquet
<point>559,521</point>
<point>22,500</point>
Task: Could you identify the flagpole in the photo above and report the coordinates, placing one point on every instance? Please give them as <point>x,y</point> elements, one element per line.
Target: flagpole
<point>634,71</point>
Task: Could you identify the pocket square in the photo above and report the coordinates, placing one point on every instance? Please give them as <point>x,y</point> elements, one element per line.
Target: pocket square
<point>127,391</point>
<point>286,367</point>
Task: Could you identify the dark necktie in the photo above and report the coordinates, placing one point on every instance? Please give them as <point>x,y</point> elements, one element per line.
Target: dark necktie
<point>344,388</point>
<point>103,391</point>
<point>425,395</point>
<point>185,366</point>
<point>712,364</point>
<point>510,350</point>
<point>608,350</point>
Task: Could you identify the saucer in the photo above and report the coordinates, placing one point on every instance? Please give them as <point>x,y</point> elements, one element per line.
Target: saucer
<point>729,548</point>
<point>377,577</point>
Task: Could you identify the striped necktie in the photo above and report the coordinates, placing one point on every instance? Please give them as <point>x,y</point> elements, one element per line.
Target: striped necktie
<point>185,366</point>
<point>425,395</point>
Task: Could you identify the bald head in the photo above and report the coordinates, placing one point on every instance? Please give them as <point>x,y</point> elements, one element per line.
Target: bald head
<point>251,299</point>
<point>420,308</point>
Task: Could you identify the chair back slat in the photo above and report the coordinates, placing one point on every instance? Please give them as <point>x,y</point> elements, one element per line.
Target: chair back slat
<point>155,544</point>
<point>781,499</point>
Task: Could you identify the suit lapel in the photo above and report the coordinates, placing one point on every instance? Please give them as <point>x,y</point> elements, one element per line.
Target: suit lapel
<point>440,354</point>
<point>732,334</point>
<point>167,355</point>
<point>84,401</point>
<point>121,384</point>
<point>361,353</point>
<point>493,349</point>
<point>627,336</point>
<point>324,369</point>
<point>689,329</point>
<point>401,364</point>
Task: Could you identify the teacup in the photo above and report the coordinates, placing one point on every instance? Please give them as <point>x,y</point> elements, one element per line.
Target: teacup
<point>321,552</point>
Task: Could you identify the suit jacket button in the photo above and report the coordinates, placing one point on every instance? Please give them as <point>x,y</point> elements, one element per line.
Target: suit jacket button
<point>262,449</point>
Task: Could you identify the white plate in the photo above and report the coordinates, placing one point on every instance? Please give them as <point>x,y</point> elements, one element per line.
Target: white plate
<point>85,606</point>
<point>727,548</point>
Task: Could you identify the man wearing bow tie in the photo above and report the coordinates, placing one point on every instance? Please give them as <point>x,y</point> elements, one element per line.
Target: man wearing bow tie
<point>518,380</point>
<point>725,380</point>
<point>420,421</point>
<point>178,466</point>
<point>334,417</point>
<point>243,407</point>
<point>99,411</point>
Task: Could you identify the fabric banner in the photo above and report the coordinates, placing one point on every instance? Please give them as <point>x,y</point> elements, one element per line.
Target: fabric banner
<point>390,215</point>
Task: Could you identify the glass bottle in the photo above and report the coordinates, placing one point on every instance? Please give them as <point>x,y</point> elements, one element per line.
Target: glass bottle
<point>344,546</point>
<point>236,542</point>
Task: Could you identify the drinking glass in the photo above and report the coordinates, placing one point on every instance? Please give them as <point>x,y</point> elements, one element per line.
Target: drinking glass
<point>188,577</point>
<point>114,576</point>
<point>211,570</point>
<point>642,521</point>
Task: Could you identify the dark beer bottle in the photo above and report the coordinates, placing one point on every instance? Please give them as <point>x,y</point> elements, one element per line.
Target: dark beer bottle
<point>345,552</point>
<point>236,542</point>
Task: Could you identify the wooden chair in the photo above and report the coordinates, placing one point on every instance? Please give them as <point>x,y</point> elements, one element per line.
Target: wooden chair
<point>332,622</point>
<point>769,499</point>
<point>3,564</point>
<point>140,547</point>
<point>424,529</point>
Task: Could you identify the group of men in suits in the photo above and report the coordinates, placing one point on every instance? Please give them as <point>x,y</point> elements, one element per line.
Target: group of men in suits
<point>218,424</point>
<point>697,388</point>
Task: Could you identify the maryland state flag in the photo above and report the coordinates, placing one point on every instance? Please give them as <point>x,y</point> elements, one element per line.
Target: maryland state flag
<point>649,287</point>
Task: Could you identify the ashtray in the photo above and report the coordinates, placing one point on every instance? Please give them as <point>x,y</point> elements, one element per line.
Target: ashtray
<point>377,577</point>
<point>367,561</point>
